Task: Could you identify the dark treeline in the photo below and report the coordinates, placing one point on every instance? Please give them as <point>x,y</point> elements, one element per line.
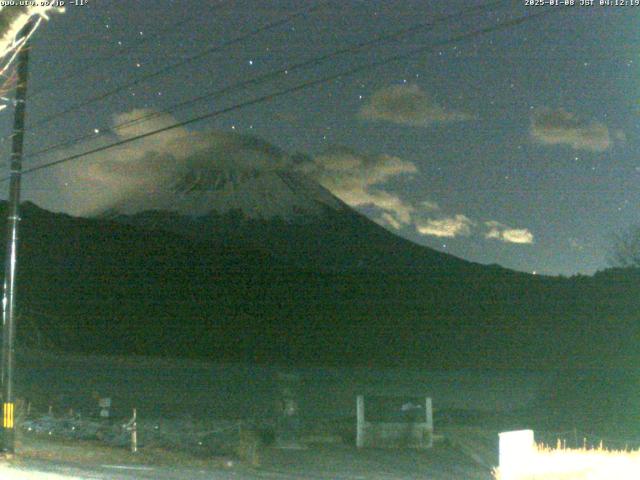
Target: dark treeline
<point>341,293</point>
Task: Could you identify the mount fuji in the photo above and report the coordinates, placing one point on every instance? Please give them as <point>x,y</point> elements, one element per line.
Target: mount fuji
<point>233,252</point>
<point>286,214</point>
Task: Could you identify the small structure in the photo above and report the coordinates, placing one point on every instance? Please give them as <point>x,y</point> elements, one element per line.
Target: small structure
<point>104,403</point>
<point>394,421</point>
<point>288,411</point>
<point>517,453</point>
<point>132,427</point>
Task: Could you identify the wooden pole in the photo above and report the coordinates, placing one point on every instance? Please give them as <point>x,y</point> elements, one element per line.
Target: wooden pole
<point>360,421</point>
<point>11,261</point>
<point>134,432</point>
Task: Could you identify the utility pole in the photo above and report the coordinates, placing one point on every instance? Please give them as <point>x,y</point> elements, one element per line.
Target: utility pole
<point>11,260</point>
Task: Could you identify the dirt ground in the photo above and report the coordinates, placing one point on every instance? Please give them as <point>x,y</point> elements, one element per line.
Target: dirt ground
<point>184,406</point>
<point>444,461</point>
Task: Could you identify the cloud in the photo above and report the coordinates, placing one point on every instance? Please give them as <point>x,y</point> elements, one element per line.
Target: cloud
<point>194,172</point>
<point>151,173</point>
<point>146,174</point>
<point>462,226</point>
<point>559,127</point>
<point>458,225</point>
<point>408,105</point>
<point>388,219</point>
<point>358,179</point>
<point>430,206</point>
<point>499,231</point>
<point>133,170</point>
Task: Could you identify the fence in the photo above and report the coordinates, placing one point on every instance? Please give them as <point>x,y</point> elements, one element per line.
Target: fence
<point>396,421</point>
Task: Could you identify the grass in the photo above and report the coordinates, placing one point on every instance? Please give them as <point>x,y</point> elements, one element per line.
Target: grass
<point>87,453</point>
<point>577,464</point>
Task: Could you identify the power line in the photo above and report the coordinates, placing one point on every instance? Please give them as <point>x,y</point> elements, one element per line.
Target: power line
<point>286,91</point>
<point>172,67</point>
<point>393,59</point>
<point>362,46</point>
<point>119,52</point>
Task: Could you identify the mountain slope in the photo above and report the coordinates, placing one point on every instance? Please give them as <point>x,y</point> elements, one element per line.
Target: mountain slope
<point>338,240</point>
<point>98,286</point>
<point>263,199</point>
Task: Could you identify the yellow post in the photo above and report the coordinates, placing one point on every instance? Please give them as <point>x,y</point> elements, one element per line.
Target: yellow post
<point>8,415</point>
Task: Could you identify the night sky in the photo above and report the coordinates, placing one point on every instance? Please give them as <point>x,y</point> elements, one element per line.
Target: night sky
<point>516,147</point>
